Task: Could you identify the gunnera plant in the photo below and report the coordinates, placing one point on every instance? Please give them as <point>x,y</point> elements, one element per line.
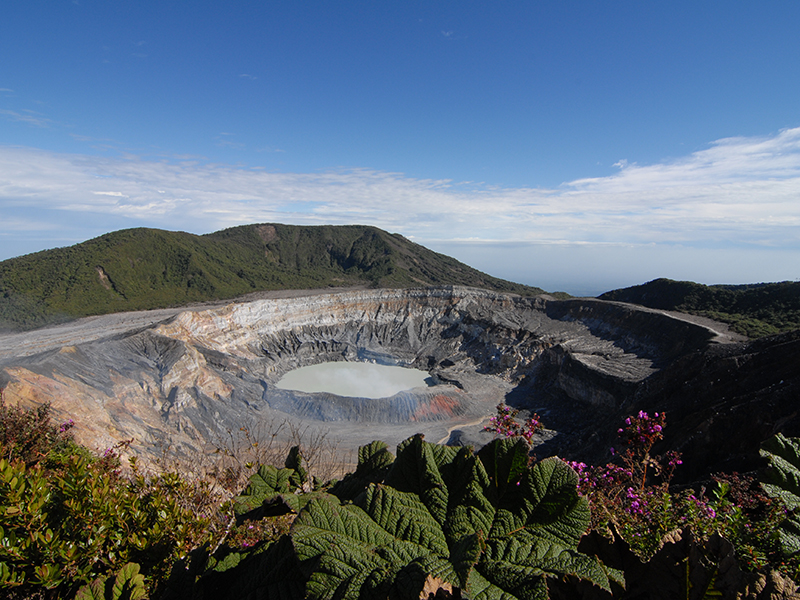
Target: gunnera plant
<point>436,519</point>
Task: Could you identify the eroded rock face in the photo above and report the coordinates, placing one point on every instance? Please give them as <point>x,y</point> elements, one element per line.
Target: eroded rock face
<point>189,377</point>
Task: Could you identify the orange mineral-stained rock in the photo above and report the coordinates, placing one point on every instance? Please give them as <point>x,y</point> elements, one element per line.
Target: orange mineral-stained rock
<point>69,399</point>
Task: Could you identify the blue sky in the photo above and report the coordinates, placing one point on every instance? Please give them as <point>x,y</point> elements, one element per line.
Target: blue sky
<point>576,146</point>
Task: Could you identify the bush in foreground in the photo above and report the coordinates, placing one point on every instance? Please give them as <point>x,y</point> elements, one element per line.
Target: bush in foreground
<point>68,517</point>
<point>434,521</point>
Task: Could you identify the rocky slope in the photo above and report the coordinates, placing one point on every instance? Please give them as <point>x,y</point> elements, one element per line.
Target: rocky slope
<point>184,379</point>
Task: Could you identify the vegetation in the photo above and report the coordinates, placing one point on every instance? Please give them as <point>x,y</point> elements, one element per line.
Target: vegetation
<point>68,517</point>
<point>752,310</point>
<point>434,521</point>
<point>139,269</point>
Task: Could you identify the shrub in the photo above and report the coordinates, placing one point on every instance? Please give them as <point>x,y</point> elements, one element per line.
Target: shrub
<point>68,517</point>
<point>31,436</point>
<point>62,530</point>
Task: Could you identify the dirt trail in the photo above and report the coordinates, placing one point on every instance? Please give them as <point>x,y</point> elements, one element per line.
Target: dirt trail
<point>460,426</point>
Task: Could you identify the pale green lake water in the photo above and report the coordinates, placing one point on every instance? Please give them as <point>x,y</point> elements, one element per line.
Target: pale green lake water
<point>354,379</point>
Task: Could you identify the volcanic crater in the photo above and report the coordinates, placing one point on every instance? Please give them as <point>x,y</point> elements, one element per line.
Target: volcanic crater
<point>183,377</point>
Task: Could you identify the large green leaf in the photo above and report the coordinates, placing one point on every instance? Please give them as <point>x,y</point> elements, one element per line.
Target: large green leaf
<point>419,468</point>
<point>489,524</point>
<point>127,584</point>
<point>782,482</point>
<point>374,460</point>
<point>544,504</point>
<point>268,488</point>
<point>349,550</point>
<point>269,571</point>
<point>272,491</point>
<point>481,588</point>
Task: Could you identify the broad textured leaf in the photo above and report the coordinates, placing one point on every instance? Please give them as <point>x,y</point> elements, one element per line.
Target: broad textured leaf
<point>464,554</point>
<point>92,591</point>
<point>271,571</point>
<point>544,504</point>
<point>374,455</point>
<point>350,549</point>
<point>489,524</point>
<point>229,561</point>
<point>127,584</point>
<point>782,481</point>
<point>374,461</point>
<point>403,516</point>
<point>417,469</point>
<point>472,512</point>
<point>481,588</point>
<point>271,487</point>
<point>512,567</point>
<point>505,460</point>
<point>789,535</point>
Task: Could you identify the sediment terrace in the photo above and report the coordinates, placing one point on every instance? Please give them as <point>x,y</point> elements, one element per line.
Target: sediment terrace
<point>184,379</point>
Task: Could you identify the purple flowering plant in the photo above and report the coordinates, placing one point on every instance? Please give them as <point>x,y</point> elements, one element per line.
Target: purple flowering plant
<point>506,424</point>
<point>634,499</point>
<point>631,496</point>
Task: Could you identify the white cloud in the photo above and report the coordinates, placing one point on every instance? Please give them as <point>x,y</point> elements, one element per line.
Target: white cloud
<point>740,192</point>
<point>117,194</point>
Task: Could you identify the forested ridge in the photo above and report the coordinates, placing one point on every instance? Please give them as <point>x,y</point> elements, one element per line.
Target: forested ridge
<point>141,269</point>
<point>753,310</point>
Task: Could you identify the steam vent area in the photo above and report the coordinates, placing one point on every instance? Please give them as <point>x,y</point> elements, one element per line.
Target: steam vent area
<point>185,378</point>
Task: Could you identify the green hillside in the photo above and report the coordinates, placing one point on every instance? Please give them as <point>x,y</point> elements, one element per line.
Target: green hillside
<point>753,310</point>
<point>139,269</point>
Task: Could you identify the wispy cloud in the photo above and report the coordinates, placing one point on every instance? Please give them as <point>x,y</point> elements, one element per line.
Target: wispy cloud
<point>26,116</point>
<point>451,35</point>
<point>738,192</point>
<point>225,140</point>
<point>269,149</point>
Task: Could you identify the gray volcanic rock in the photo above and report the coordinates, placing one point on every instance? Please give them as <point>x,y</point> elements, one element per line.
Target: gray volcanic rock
<point>189,378</point>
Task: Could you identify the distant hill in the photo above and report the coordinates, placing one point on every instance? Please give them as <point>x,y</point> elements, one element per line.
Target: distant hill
<point>140,269</point>
<point>754,310</point>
